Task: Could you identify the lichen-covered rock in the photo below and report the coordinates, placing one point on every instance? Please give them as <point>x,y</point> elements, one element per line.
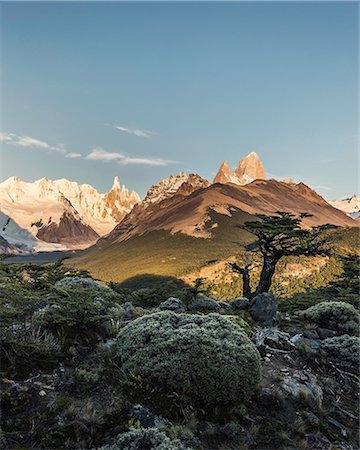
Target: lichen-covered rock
<point>202,303</point>
<point>173,304</point>
<point>343,349</point>
<point>269,339</point>
<point>239,304</point>
<point>84,283</point>
<point>338,316</point>
<point>204,359</point>
<point>263,309</point>
<point>147,418</point>
<point>145,438</point>
<point>303,385</point>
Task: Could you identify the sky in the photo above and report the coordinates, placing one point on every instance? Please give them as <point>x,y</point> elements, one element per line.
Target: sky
<point>145,90</point>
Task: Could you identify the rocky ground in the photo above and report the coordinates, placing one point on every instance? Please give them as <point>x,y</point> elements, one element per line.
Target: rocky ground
<point>62,387</point>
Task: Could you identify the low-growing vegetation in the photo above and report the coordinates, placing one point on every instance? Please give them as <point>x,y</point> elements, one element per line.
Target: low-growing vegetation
<point>89,365</point>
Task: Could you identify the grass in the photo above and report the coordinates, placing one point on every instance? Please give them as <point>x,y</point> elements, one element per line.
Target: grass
<point>161,253</point>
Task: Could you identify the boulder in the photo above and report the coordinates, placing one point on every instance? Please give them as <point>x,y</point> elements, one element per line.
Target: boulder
<point>147,418</point>
<point>173,304</point>
<point>303,385</point>
<point>325,333</point>
<point>239,304</point>
<point>263,309</point>
<point>272,339</point>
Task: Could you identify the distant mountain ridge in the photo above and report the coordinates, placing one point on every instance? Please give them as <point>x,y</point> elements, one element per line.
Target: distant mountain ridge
<point>189,214</point>
<point>351,206</point>
<point>60,212</point>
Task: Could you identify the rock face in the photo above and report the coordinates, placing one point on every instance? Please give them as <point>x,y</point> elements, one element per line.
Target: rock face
<point>182,184</point>
<point>263,309</point>
<point>249,169</point>
<point>225,175</point>
<point>61,211</point>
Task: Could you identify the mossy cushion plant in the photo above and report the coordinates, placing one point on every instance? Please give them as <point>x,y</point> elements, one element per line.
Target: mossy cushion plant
<point>145,438</point>
<point>343,349</point>
<point>199,360</point>
<point>337,316</point>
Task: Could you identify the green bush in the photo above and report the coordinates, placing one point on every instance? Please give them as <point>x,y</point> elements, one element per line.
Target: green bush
<point>76,314</point>
<point>238,320</point>
<point>145,439</point>
<point>337,316</point>
<point>201,360</point>
<point>344,349</point>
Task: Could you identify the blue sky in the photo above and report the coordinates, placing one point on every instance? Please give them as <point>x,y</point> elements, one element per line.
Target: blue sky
<point>187,84</point>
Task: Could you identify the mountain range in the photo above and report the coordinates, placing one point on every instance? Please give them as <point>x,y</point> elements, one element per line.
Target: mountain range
<point>59,214</point>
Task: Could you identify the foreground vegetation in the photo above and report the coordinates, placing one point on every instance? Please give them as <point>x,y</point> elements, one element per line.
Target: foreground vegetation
<point>85,365</point>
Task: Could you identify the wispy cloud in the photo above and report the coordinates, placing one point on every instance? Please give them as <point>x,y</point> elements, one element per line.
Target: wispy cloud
<point>73,155</point>
<point>29,142</point>
<point>323,188</point>
<point>99,154</point>
<point>136,131</point>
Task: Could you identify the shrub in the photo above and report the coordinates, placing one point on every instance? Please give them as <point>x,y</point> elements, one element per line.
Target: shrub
<point>143,439</point>
<point>345,349</point>
<point>84,283</point>
<point>337,316</point>
<point>201,360</point>
<point>79,314</point>
<point>202,303</point>
<point>238,320</point>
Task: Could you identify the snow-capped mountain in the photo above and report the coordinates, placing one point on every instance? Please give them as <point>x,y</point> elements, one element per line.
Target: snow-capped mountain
<point>351,206</point>
<point>250,168</point>
<point>61,211</point>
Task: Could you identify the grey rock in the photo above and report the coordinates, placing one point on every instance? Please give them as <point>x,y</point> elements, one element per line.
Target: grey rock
<point>202,303</point>
<point>239,304</point>
<point>324,333</point>
<point>272,339</point>
<point>173,304</point>
<point>263,309</point>
<point>303,385</point>
<point>147,418</point>
<point>310,334</point>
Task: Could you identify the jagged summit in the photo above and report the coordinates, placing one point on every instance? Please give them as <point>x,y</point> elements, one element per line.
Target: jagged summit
<point>60,211</point>
<point>225,174</point>
<point>172,184</point>
<point>250,168</point>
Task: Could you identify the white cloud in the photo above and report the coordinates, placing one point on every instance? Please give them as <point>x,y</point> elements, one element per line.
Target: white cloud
<point>73,155</point>
<point>29,142</point>
<point>136,131</point>
<point>323,188</point>
<point>99,154</point>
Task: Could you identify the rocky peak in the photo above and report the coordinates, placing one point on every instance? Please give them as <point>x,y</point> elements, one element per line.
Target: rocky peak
<point>182,183</point>
<point>225,174</point>
<point>250,168</point>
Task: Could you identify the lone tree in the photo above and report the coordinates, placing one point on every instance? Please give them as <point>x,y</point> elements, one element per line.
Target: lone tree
<point>279,236</point>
